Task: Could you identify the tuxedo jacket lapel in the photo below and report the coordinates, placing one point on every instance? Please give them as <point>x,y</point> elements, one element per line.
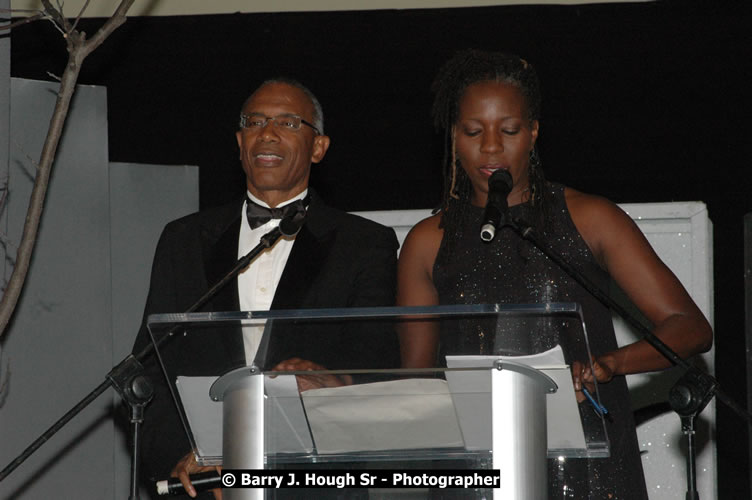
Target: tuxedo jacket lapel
<point>311,248</point>
<point>220,253</point>
<point>301,283</point>
<point>219,248</point>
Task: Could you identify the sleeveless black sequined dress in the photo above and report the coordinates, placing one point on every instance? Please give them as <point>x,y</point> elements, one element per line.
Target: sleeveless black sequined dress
<point>510,270</point>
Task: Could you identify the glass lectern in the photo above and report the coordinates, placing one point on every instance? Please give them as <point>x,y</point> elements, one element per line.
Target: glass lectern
<point>508,409</point>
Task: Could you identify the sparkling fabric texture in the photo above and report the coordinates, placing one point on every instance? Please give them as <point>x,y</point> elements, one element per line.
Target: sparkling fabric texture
<point>511,270</point>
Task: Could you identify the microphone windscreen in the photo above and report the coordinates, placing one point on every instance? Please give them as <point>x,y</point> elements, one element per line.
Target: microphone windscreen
<point>290,225</point>
<point>500,180</point>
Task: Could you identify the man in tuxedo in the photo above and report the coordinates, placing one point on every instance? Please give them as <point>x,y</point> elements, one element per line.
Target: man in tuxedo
<point>335,260</point>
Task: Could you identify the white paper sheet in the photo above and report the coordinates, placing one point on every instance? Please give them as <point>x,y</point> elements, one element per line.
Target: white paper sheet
<point>471,392</point>
<point>394,415</point>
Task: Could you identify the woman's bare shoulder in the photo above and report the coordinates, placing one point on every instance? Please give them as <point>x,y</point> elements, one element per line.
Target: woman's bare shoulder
<point>579,201</point>
<point>427,228</point>
<point>604,226</point>
<point>424,239</point>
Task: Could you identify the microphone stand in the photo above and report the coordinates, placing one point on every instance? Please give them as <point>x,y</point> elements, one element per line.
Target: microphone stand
<point>127,379</point>
<point>694,389</point>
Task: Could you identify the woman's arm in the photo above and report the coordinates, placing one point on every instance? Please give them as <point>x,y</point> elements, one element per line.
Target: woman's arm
<point>622,250</point>
<point>419,340</point>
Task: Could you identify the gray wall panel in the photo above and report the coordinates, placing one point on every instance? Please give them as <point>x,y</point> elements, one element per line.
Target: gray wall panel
<point>4,137</point>
<point>60,344</point>
<point>143,198</point>
<point>85,293</point>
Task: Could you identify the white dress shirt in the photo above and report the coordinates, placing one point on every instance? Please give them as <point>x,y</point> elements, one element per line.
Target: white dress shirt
<point>258,282</point>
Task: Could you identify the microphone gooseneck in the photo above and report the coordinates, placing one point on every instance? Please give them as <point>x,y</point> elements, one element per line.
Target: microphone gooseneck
<point>499,186</point>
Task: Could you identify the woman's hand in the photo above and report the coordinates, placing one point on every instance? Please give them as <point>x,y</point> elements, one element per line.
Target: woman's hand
<point>602,371</point>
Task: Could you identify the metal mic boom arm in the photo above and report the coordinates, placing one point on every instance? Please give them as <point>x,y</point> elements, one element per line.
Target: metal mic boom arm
<point>122,376</point>
<point>691,393</point>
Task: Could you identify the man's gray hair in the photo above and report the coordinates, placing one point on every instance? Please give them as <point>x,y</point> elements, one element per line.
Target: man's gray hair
<point>318,112</point>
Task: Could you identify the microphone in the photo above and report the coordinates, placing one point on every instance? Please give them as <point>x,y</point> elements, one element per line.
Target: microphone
<point>201,482</point>
<point>290,225</point>
<point>499,186</point>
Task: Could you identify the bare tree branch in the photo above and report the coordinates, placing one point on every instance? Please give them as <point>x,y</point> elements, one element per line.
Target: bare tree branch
<point>11,250</point>
<point>78,49</point>
<point>25,11</point>
<point>108,27</point>
<point>81,13</point>
<point>56,15</point>
<point>30,168</point>
<point>4,378</point>
<point>20,22</point>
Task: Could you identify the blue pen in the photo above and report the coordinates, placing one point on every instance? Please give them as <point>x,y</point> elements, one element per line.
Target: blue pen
<point>599,408</point>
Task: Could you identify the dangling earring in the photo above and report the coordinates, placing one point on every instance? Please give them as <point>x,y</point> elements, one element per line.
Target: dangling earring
<point>534,166</point>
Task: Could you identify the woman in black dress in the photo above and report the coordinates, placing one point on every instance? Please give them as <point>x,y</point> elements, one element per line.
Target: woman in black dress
<point>489,106</point>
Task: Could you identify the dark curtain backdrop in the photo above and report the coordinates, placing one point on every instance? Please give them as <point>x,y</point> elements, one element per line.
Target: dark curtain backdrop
<point>643,102</point>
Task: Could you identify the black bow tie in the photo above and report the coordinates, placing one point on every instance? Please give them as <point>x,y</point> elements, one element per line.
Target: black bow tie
<point>259,215</point>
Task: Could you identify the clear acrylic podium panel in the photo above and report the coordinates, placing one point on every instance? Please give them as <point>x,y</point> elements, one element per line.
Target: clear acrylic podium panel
<point>385,413</point>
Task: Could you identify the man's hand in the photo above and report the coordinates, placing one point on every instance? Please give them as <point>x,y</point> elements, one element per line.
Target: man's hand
<point>187,466</point>
<point>314,381</point>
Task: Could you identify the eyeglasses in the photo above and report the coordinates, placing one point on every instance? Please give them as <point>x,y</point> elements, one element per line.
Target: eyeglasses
<point>257,121</point>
